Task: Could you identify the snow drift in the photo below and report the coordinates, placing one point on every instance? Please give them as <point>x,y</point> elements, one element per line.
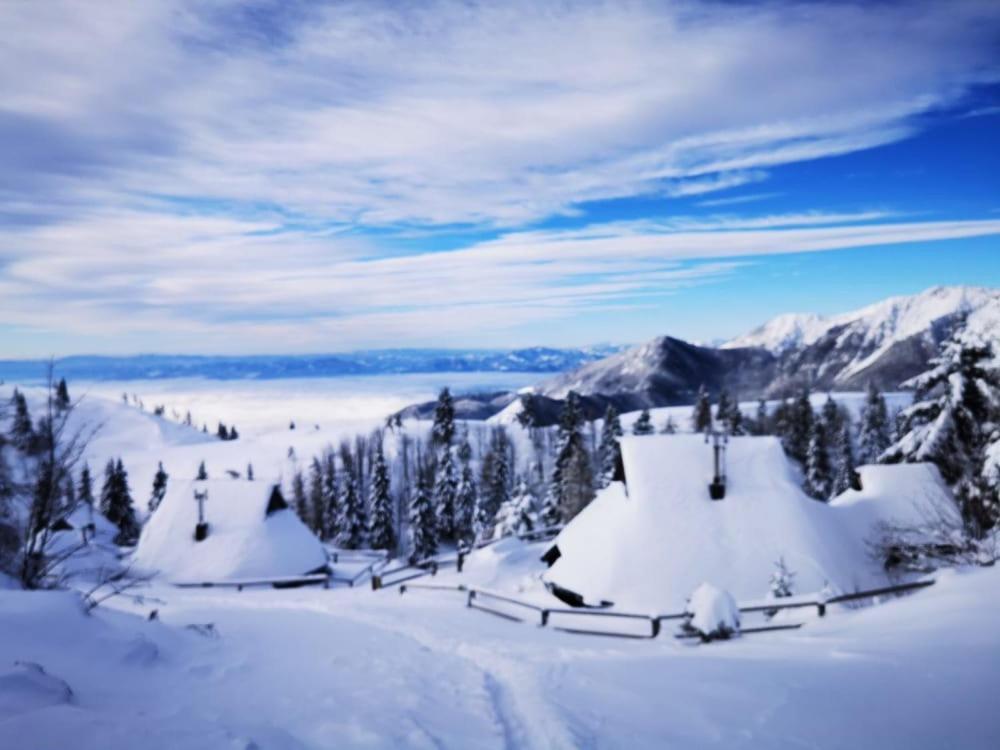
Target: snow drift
<point>649,545</point>
<point>243,542</point>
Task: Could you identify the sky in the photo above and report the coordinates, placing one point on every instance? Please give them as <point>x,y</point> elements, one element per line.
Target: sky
<point>270,176</point>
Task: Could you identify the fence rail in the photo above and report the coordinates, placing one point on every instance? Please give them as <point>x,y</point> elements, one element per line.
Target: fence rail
<point>239,584</point>
<point>474,596</point>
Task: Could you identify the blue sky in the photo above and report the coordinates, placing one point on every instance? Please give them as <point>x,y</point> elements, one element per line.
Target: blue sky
<point>258,177</point>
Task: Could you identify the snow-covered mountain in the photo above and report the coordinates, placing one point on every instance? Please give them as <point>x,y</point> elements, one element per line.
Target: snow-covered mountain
<point>886,343</point>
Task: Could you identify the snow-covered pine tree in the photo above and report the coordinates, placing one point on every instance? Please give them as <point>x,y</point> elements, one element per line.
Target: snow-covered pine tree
<point>466,496</point>
<point>422,528</point>
<point>159,488</point>
<point>317,498</point>
<point>875,431</point>
<point>300,498</point>
<point>833,416</point>
<point>701,416</point>
<point>202,474</point>
<point>572,481</point>
<point>609,450</point>
<point>643,424</point>
<point>819,475</point>
<point>799,427</point>
<point>550,514</point>
<point>85,491</point>
<point>845,474</point>
<point>761,423</point>
<point>782,584</point>
<point>519,515</point>
<point>951,423</point>
<point>382,526</point>
<point>331,496</point>
<point>445,491</point>
<point>116,503</point>
<point>21,431</point>
<point>352,523</point>
<point>577,482</point>
<point>669,426</point>
<point>62,401</point>
<point>723,409</point>
<point>443,427</point>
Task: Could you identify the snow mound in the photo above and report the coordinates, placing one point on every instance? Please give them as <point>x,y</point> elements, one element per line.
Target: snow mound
<point>28,687</point>
<point>908,495</point>
<point>648,545</point>
<point>243,541</point>
<point>713,613</point>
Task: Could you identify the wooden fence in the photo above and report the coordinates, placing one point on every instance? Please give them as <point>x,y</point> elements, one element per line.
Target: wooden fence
<point>497,604</point>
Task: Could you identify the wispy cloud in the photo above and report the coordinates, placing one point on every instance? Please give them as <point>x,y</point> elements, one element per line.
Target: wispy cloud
<point>213,169</point>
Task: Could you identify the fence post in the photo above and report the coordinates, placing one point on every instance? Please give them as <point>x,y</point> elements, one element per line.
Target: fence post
<point>655,626</point>
<point>821,607</point>
<point>545,617</point>
<point>402,589</point>
<point>472,595</point>
<point>376,583</point>
<point>460,561</point>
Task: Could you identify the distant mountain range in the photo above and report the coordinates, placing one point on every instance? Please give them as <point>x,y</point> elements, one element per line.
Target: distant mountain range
<point>376,362</point>
<point>885,343</point>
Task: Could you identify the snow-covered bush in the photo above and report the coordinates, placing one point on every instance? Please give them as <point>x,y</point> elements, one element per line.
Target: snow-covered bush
<point>782,582</point>
<point>712,613</point>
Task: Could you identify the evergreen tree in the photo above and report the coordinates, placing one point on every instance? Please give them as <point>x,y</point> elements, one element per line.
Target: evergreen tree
<point>494,489</point>
<point>951,423</point>
<point>422,529</point>
<point>233,434</point>
<point>701,417</point>
<point>445,491</point>
<point>159,488</point>
<point>382,527</point>
<point>799,430</point>
<point>62,401</point>
<point>331,496</point>
<point>85,492</point>
<point>643,425</point>
<point>846,475</point>
<point>116,503</point>
<point>833,416</point>
<point>761,424</point>
<point>351,521</point>
<point>551,512</point>
<point>874,434</point>
<point>609,451</point>
<point>21,432</point>
<point>723,409</point>
<point>572,481</point>
<point>466,497</point>
<point>202,472</point>
<point>519,515</point>
<point>223,432</point>
<point>819,475</point>
<point>300,499</point>
<point>317,498</point>
<point>443,428</point>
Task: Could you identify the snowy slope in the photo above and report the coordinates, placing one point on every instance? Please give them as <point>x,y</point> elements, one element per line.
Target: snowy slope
<point>649,550</point>
<point>243,542</point>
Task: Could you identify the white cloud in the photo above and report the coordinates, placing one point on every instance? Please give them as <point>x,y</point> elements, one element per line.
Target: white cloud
<point>445,111</point>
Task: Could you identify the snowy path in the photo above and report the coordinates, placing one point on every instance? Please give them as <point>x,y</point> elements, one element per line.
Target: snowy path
<point>342,668</point>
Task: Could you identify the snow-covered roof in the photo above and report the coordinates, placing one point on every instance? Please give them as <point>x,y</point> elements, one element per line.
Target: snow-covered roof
<point>910,495</point>
<point>650,549</point>
<point>243,541</point>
